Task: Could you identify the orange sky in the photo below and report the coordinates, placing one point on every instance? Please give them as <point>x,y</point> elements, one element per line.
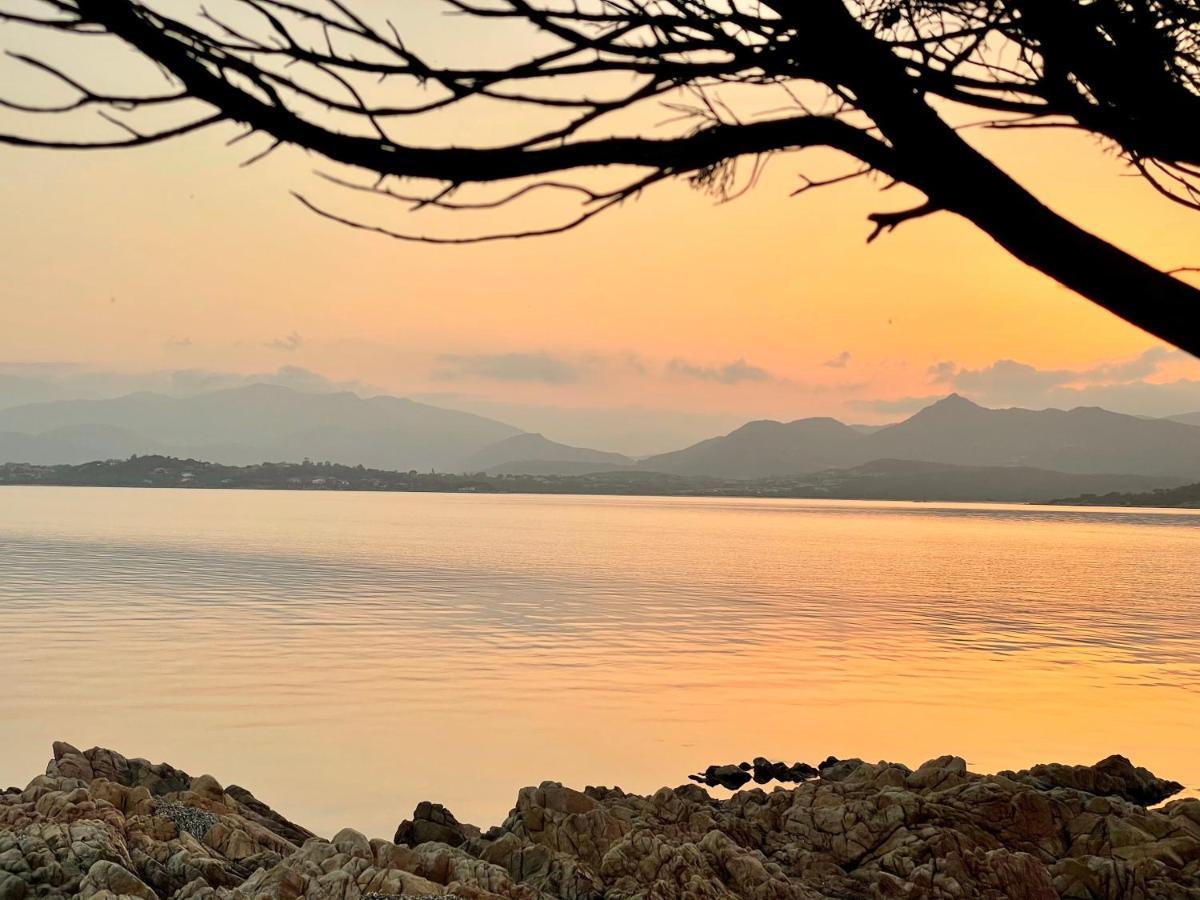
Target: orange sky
<point>173,257</point>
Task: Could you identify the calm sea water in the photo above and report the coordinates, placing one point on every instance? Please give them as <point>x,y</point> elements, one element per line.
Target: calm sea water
<point>347,655</point>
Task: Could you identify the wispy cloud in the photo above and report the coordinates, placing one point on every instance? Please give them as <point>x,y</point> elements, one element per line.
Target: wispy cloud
<point>838,362</point>
<point>1003,377</point>
<point>1143,366</point>
<point>735,372</point>
<point>288,343</point>
<point>60,382</point>
<point>943,372</point>
<point>897,405</point>
<point>1120,384</point>
<point>196,381</point>
<point>544,368</point>
<point>1008,375</point>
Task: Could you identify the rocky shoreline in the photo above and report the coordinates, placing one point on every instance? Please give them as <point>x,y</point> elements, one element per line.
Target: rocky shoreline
<point>100,826</point>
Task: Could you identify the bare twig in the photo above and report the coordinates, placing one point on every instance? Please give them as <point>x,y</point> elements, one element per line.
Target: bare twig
<point>890,221</point>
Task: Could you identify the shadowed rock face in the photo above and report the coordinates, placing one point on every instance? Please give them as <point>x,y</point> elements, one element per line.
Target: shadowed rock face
<point>103,827</point>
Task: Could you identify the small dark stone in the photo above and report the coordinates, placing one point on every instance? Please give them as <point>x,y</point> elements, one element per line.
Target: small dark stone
<point>731,777</point>
<point>802,772</point>
<point>761,770</point>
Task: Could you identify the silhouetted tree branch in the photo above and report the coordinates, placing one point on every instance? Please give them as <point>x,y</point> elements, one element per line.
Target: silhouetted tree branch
<point>1125,69</point>
<point>868,78</point>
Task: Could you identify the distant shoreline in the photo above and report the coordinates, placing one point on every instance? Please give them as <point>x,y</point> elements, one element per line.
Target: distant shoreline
<point>166,473</point>
<point>682,496</point>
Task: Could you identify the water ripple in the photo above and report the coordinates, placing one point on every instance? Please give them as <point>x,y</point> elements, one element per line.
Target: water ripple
<point>452,641</point>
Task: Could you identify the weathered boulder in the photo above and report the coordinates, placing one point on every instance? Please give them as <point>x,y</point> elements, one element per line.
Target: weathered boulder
<point>1112,777</point>
<point>433,822</point>
<point>107,879</point>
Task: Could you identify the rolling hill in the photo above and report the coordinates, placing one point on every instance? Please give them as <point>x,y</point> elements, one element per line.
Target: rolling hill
<point>533,454</point>
<point>1184,497</point>
<point>765,448</point>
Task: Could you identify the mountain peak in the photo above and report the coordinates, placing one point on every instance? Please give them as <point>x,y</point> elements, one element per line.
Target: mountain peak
<point>952,406</point>
<point>956,401</point>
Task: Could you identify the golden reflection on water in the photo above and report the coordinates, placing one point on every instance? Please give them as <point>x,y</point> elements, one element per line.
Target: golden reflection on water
<point>347,655</point>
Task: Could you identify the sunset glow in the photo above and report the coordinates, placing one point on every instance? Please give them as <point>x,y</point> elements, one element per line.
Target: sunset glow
<point>173,257</point>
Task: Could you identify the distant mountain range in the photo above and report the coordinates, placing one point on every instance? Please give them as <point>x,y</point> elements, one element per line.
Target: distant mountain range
<point>953,431</point>
<point>246,425</point>
<point>256,423</point>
